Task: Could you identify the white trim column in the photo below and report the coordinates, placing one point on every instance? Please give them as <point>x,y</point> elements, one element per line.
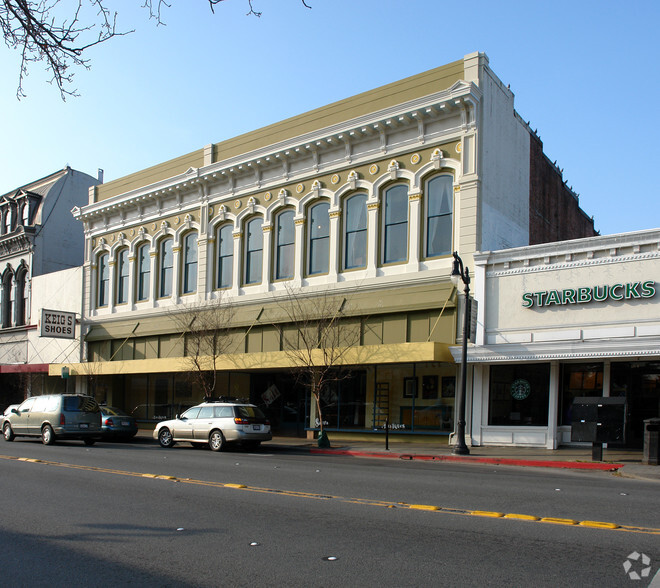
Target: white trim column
<point>373,238</point>
<point>414,230</point>
<point>177,262</point>
<point>300,251</point>
<point>552,440</point>
<point>267,257</point>
<point>336,247</point>
<point>237,276</point>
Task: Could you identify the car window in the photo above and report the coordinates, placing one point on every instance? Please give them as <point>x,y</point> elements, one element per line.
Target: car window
<point>40,404</point>
<point>191,413</point>
<point>79,404</point>
<point>249,411</point>
<point>25,406</point>
<point>111,410</point>
<point>223,412</point>
<point>52,403</point>
<point>206,412</point>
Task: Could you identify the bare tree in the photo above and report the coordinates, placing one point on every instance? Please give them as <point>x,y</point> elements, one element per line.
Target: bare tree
<point>60,36</point>
<point>318,337</point>
<point>206,329</point>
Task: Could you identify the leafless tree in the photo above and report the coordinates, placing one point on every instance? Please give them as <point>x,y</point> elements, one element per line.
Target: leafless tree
<point>318,337</point>
<point>59,34</point>
<point>206,329</point>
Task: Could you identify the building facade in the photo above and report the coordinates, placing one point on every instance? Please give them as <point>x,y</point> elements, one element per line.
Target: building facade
<point>355,207</point>
<point>38,236</point>
<point>557,322</point>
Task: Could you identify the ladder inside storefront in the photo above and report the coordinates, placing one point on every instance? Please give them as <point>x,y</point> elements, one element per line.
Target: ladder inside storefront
<point>381,405</point>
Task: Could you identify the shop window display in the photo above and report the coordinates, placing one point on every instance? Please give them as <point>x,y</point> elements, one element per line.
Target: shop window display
<point>519,395</point>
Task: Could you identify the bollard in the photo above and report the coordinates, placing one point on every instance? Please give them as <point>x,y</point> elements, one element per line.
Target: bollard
<point>387,434</point>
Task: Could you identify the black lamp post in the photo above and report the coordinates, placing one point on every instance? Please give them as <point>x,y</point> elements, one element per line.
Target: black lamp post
<point>462,273</point>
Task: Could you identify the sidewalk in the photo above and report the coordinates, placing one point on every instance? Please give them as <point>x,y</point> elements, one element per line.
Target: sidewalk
<point>626,463</point>
<point>623,462</point>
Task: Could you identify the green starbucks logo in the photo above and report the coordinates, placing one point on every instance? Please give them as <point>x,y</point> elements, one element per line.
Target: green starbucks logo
<point>520,389</point>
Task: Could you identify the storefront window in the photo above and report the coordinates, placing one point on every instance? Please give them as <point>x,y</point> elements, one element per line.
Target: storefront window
<point>519,395</point>
<point>639,382</point>
<point>579,379</point>
<point>343,402</point>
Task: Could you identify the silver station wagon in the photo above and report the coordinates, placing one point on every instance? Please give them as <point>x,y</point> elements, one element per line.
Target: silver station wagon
<point>52,417</point>
<point>215,424</point>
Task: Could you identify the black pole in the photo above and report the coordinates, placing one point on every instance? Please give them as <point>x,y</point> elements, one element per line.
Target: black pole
<point>387,434</point>
<point>461,447</point>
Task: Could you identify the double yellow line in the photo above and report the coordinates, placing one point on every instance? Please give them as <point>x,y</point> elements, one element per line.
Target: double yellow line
<point>363,501</point>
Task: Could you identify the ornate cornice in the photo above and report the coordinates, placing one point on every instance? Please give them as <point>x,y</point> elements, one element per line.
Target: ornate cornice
<point>355,136</point>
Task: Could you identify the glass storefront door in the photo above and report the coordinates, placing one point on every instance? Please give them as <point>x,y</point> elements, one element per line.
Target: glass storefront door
<point>639,382</point>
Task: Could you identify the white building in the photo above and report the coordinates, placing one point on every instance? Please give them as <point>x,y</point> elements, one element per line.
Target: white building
<point>559,321</point>
<point>38,236</point>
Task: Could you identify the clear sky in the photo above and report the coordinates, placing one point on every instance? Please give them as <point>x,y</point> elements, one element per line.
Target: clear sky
<point>584,73</point>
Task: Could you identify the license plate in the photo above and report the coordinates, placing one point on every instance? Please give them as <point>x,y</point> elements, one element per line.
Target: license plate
<point>256,427</point>
<point>125,424</point>
<point>84,426</point>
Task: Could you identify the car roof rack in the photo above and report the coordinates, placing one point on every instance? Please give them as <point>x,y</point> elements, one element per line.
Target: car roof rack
<point>228,399</point>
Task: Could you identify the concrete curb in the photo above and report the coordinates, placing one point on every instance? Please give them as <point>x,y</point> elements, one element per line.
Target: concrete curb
<point>540,463</point>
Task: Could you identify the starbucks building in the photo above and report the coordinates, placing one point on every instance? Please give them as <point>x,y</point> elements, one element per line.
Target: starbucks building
<point>561,321</point>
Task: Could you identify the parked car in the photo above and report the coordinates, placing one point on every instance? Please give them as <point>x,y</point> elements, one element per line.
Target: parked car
<point>215,424</point>
<point>9,408</point>
<point>52,417</point>
<point>116,424</point>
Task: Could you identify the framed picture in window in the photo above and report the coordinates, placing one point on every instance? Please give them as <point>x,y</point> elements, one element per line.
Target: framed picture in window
<point>429,387</point>
<point>449,387</point>
<point>410,387</point>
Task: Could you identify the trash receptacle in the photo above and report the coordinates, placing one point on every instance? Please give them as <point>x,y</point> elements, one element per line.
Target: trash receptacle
<point>651,441</point>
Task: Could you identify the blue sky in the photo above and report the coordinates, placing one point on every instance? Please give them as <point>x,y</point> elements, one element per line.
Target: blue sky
<point>584,73</point>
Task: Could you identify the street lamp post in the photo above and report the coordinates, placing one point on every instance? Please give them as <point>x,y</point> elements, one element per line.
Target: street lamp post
<point>462,273</point>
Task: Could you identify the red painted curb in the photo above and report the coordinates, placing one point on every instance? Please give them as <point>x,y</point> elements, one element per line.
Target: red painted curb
<point>537,463</point>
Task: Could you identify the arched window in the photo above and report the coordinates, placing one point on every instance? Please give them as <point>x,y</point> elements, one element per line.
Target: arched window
<point>254,251</point>
<point>190,263</point>
<point>7,297</point>
<point>166,258</point>
<point>318,223</point>
<point>395,230</point>
<point>122,277</point>
<point>9,219</point>
<point>21,297</point>
<point>439,222</point>
<point>26,214</point>
<point>355,232</point>
<point>225,245</point>
<point>285,246</point>
<point>143,272</point>
<point>103,280</point>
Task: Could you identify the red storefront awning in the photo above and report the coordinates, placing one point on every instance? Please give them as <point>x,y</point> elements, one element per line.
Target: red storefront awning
<point>24,368</point>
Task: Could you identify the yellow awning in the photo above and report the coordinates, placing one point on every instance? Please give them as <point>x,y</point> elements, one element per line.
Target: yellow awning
<point>358,356</point>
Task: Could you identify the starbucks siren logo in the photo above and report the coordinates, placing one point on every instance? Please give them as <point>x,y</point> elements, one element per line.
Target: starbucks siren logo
<point>520,389</point>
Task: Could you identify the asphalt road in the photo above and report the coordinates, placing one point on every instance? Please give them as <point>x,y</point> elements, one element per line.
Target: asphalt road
<point>136,514</point>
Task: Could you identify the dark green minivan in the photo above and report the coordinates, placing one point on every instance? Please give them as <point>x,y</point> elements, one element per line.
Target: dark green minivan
<point>52,417</point>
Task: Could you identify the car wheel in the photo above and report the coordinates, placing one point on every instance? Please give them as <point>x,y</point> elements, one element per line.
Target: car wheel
<point>47,435</point>
<point>165,437</point>
<point>8,433</point>
<point>216,440</point>
<point>89,441</point>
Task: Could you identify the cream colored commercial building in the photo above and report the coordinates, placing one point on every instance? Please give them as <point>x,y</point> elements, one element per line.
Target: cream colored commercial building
<point>362,201</point>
